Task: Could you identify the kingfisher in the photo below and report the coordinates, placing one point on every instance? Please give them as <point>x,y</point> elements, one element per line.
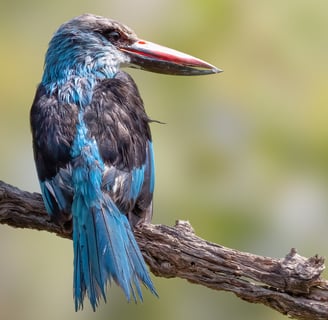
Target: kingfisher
<point>93,148</point>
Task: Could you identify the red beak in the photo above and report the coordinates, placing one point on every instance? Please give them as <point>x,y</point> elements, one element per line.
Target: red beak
<point>153,57</point>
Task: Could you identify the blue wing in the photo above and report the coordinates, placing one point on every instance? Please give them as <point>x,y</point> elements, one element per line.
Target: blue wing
<point>118,122</point>
<point>113,150</point>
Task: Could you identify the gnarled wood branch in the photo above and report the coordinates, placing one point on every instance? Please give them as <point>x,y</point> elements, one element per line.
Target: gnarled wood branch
<point>292,285</point>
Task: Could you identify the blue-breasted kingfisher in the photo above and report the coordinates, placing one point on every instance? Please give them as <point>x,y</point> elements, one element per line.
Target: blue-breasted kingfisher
<point>93,148</point>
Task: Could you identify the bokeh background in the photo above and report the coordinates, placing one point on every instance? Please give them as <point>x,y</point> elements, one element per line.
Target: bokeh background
<point>243,155</point>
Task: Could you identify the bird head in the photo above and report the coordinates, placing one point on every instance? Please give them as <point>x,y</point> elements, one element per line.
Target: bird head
<point>97,46</point>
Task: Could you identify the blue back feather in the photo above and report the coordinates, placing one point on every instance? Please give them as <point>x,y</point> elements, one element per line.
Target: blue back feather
<point>104,245</point>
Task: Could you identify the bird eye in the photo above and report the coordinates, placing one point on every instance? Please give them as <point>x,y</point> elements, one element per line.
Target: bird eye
<point>113,36</point>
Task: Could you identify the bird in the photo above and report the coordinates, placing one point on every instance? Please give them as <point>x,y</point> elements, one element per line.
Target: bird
<point>93,148</point>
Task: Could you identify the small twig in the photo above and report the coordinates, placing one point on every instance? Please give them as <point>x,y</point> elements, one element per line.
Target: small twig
<point>292,285</point>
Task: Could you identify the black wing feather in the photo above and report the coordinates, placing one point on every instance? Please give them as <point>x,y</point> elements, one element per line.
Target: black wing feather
<point>117,120</point>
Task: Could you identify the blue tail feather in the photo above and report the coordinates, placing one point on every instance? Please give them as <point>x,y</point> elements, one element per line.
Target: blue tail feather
<point>88,275</point>
<point>105,249</point>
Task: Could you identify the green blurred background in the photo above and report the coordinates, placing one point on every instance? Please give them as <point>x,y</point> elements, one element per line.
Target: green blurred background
<point>243,155</point>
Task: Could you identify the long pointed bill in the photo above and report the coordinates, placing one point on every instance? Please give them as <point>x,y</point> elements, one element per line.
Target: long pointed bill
<point>153,57</point>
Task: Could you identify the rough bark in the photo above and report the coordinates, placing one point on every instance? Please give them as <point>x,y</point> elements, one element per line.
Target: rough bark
<point>292,285</point>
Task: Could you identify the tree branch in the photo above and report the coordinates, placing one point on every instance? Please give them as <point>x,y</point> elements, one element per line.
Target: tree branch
<point>292,285</point>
